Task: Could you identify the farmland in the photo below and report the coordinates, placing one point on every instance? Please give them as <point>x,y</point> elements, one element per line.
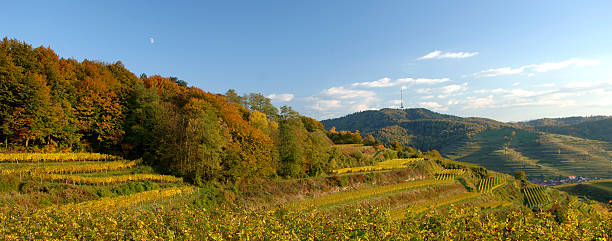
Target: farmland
<point>535,195</point>
<point>384,165</point>
<point>487,185</point>
<point>599,190</point>
<point>88,176</point>
<point>385,207</point>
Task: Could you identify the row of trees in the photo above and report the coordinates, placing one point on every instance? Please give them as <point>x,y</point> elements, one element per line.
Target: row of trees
<point>49,103</point>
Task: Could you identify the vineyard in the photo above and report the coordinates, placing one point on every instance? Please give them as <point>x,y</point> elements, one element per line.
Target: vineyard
<point>129,200</point>
<point>66,167</point>
<point>400,213</point>
<point>342,197</point>
<point>105,177</point>
<point>449,174</point>
<point>374,211</point>
<point>55,157</point>
<point>74,179</point>
<point>487,185</point>
<point>384,165</point>
<point>535,195</point>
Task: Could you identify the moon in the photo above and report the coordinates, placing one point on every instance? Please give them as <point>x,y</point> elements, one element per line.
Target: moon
<point>151,40</point>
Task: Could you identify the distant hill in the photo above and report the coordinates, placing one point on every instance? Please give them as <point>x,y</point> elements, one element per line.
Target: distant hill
<point>596,128</point>
<point>565,121</point>
<point>578,146</point>
<point>419,127</point>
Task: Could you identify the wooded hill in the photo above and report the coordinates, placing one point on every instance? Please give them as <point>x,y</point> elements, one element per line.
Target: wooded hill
<point>594,128</point>
<point>542,148</point>
<point>52,104</point>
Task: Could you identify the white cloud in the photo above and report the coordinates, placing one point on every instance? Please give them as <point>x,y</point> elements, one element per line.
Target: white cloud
<point>583,94</point>
<point>516,83</point>
<point>476,103</point>
<point>384,82</point>
<point>448,55</point>
<point>281,97</point>
<point>151,40</point>
<point>430,104</point>
<point>545,67</point>
<point>451,88</point>
<point>433,105</point>
<point>548,85</point>
<point>422,81</point>
<point>344,93</point>
<point>341,100</point>
<point>538,68</point>
<point>424,90</point>
<point>499,71</point>
<point>387,82</point>
<point>324,105</point>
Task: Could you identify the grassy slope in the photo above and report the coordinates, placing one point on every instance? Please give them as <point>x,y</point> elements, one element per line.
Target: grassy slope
<point>23,190</point>
<point>537,153</point>
<point>482,141</point>
<point>600,190</point>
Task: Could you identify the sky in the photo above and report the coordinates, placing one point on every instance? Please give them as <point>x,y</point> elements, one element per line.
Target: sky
<point>505,60</point>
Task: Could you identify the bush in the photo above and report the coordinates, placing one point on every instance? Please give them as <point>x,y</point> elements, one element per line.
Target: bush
<point>520,175</point>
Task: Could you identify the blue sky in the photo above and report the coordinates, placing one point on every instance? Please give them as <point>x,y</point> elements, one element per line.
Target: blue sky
<point>507,60</point>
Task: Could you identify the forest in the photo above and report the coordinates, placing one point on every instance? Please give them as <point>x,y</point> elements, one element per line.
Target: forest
<point>89,150</point>
<point>53,104</point>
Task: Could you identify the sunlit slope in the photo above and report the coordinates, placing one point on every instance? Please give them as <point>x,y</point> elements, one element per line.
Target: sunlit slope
<point>536,153</point>
<point>600,190</point>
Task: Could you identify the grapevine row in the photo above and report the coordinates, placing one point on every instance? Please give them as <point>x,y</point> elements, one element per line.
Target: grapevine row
<point>398,214</point>
<point>128,200</point>
<point>109,180</point>
<point>487,185</point>
<point>73,168</point>
<point>55,157</point>
<point>384,165</point>
<point>445,176</point>
<point>535,195</point>
<point>358,194</point>
<point>452,171</point>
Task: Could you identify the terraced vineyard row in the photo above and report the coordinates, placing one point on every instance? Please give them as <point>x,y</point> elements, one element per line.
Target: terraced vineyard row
<point>109,180</point>
<point>535,195</point>
<point>445,177</point>
<point>399,213</point>
<point>128,200</point>
<point>449,174</point>
<point>384,165</point>
<point>363,193</point>
<point>452,171</point>
<point>55,157</point>
<point>71,168</point>
<point>494,204</point>
<point>487,185</point>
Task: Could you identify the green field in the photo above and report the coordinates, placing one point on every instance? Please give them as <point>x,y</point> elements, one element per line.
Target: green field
<point>599,190</point>
<point>58,182</point>
<point>538,154</point>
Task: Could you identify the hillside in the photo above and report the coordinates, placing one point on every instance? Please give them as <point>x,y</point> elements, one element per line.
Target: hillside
<point>539,154</point>
<point>533,148</point>
<point>420,128</point>
<point>399,201</point>
<point>599,190</point>
<point>90,151</point>
<point>595,128</point>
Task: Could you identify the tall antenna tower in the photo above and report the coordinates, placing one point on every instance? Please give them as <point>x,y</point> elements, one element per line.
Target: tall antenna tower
<point>401,98</point>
